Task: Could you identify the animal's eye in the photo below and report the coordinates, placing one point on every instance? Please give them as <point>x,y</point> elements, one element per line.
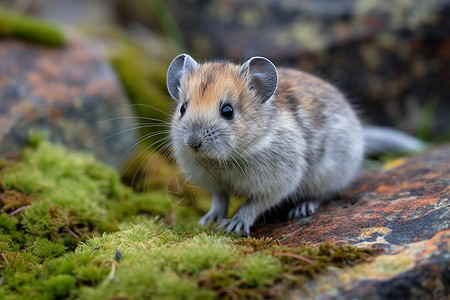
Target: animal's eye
<point>183,108</point>
<point>227,112</point>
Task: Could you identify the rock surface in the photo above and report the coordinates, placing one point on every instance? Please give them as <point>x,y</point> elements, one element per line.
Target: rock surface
<point>71,94</point>
<point>405,210</point>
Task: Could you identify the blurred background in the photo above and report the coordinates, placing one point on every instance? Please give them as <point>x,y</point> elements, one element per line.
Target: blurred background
<point>390,57</point>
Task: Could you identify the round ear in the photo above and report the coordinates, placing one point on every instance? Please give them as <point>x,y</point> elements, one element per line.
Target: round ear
<point>180,66</point>
<point>262,76</point>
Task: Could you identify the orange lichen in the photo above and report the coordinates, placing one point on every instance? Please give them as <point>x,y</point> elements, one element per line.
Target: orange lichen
<point>398,186</point>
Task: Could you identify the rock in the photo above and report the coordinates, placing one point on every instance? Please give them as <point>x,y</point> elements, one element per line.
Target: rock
<point>419,271</point>
<point>390,57</point>
<point>404,210</point>
<point>70,93</point>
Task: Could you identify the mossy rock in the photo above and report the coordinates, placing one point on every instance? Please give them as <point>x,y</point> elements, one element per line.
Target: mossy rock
<point>30,29</point>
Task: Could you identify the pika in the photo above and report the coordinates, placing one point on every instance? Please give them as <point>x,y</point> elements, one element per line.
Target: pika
<point>270,134</point>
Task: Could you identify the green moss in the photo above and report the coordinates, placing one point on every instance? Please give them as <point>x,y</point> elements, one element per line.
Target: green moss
<point>60,286</point>
<point>155,203</point>
<point>61,228</point>
<point>200,253</point>
<point>260,270</point>
<point>30,29</point>
<point>51,200</point>
<point>45,249</point>
<point>73,192</point>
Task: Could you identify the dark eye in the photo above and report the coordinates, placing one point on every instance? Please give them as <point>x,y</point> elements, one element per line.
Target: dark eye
<point>227,112</point>
<point>183,108</point>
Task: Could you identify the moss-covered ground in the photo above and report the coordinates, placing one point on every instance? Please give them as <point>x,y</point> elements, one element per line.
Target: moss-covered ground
<point>70,230</point>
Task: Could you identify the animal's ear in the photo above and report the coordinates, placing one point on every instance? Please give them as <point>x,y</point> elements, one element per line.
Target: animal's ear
<point>262,76</point>
<point>180,66</point>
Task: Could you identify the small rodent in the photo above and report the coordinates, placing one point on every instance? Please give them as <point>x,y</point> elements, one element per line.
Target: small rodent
<point>270,134</point>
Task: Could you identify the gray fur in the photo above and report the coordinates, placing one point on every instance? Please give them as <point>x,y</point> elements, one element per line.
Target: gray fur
<point>278,151</point>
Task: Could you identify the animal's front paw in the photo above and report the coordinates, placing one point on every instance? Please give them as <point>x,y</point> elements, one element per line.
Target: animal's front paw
<point>306,208</point>
<point>235,225</point>
<point>211,216</point>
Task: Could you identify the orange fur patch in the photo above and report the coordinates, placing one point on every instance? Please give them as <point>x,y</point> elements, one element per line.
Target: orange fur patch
<point>210,83</point>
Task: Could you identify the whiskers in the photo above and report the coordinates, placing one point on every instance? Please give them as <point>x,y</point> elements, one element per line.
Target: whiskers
<point>149,153</point>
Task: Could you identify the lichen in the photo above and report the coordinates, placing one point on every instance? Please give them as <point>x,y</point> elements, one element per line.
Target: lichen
<point>30,29</point>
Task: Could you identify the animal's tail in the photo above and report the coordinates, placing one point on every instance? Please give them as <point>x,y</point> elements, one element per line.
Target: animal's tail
<point>382,139</point>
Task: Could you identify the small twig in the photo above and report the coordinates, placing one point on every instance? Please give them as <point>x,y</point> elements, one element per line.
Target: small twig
<point>113,270</point>
<point>73,233</point>
<point>296,256</point>
<point>18,210</point>
<point>5,259</point>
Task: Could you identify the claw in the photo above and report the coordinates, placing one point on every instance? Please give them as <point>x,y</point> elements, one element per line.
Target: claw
<point>204,221</point>
<point>304,209</point>
<point>311,208</point>
<point>223,223</point>
<point>234,226</point>
<point>209,218</point>
<point>295,213</point>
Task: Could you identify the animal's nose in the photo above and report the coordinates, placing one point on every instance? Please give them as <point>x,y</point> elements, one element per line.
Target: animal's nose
<point>194,142</point>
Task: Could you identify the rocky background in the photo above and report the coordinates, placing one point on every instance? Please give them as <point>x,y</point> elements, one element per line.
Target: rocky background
<point>88,81</point>
<point>391,58</point>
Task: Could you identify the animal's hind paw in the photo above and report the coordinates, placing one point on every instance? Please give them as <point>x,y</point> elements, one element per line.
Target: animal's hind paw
<point>306,208</point>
